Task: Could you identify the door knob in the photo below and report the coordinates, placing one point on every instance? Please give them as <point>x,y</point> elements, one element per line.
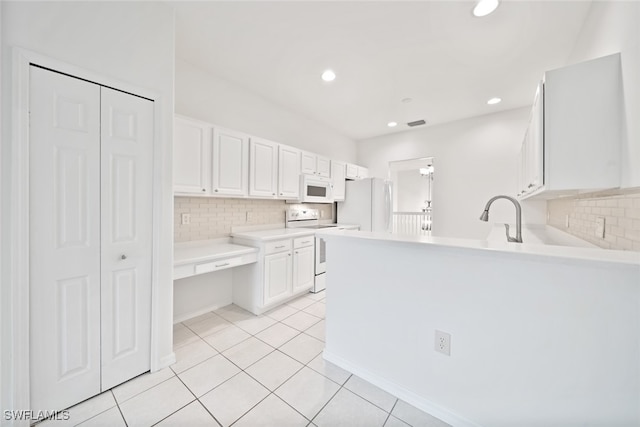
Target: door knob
<point>123,256</point>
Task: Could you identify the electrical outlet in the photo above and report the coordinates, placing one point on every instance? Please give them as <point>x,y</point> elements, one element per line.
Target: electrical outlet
<point>321,214</point>
<point>249,216</point>
<point>600,227</point>
<point>566,220</point>
<point>442,343</point>
<point>185,219</point>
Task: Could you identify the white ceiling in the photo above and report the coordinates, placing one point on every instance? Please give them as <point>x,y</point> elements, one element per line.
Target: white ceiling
<point>434,52</point>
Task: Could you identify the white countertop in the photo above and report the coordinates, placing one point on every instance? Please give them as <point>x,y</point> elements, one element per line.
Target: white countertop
<point>274,234</point>
<point>207,250</point>
<point>552,251</point>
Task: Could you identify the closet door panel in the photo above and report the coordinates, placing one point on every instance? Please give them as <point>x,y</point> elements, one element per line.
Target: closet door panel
<point>126,197</point>
<point>64,241</point>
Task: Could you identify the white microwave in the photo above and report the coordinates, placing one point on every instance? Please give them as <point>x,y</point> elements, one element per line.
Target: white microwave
<point>315,189</point>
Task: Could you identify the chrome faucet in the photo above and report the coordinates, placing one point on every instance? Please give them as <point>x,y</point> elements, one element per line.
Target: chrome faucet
<point>485,217</point>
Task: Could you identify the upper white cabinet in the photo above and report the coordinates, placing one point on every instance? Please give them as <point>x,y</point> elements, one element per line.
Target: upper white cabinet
<point>312,164</point>
<point>323,167</point>
<point>191,156</point>
<point>263,168</point>
<point>309,161</point>
<point>573,141</point>
<point>338,176</point>
<point>356,172</point>
<point>230,163</point>
<point>288,172</point>
<point>531,160</point>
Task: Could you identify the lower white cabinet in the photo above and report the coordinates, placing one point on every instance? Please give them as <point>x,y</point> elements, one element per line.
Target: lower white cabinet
<point>303,269</point>
<point>285,269</point>
<point>277,277</point>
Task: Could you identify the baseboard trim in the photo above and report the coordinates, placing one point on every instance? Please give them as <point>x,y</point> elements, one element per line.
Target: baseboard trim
<point>190,315</point>
<point>400,392</point>
<point>166,361</point>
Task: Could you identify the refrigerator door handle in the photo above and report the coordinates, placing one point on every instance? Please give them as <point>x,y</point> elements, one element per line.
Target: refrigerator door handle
<point>388,200</point>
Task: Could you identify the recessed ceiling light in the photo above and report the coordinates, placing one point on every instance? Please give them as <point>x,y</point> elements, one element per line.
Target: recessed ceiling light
<point>494,101</point>
<point>392,124</point>
<point>328,76</point>
<point>485,7</point>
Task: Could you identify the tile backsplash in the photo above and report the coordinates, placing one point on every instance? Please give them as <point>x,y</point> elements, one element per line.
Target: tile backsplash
<point>620,210</point>
<point>212,218</point>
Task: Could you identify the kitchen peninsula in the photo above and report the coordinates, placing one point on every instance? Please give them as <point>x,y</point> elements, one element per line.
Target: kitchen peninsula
<point>539,335</point>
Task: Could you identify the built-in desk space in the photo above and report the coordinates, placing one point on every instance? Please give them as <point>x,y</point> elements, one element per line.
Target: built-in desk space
<point>205,256</point>
<point>203,273</point>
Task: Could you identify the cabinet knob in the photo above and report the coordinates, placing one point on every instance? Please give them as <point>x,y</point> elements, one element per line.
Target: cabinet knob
<point>273,194</point>
<point>530,185</point>
<point>123,256</point>
<point>204,189</point>
<point>216,190</point>
<point>281,194</point>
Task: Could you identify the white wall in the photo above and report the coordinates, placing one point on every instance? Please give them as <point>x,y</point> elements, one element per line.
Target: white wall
<point>129,42</point>
<point>527,332</point>
<point>474,159</point>
<point>411,190</point>
<point>611,27</point>
<point>204,96</point>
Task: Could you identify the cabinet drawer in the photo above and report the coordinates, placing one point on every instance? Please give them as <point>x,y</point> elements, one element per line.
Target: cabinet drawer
<point>301,242</point>
<point>207,267</point>
<point>278,246</point>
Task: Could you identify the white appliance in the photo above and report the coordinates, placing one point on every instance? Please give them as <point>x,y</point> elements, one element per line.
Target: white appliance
<point>309,218</point>
<point>315,189</point>
<point>368,202</point>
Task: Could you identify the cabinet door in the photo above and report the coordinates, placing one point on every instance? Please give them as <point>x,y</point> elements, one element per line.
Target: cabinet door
<point>288,172</point>
<point>352,171</point>
<point>263,168</point>
<point>323,167</point>
<point>230,163</point>
<point>536,141</point>
<point>338,170</point>
<point>277,277</point>
<point>191,156</point>
<point>303,269</point>
<point>309,163</point>
<point>363,172</point>
<point>126,236</point>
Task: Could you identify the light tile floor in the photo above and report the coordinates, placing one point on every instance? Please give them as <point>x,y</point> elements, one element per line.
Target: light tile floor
<point>234,368</point>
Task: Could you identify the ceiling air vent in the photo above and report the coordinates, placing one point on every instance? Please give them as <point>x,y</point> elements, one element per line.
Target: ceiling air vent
<point>417,123</point>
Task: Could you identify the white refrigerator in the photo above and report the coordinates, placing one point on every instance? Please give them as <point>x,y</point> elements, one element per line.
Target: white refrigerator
<point>368,203</point>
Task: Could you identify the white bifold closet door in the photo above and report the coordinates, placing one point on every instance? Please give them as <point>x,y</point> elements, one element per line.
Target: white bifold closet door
<point>91,151</point>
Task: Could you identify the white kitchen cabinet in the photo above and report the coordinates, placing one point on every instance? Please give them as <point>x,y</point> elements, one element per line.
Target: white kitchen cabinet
<point>356,172</point>
<point>278,277</point>
<point>309,163</point>
<point>191,156</point>
<point>303,268</point>
<point>530,175</point>
<point>323,166</point>
<point>230,169</point>
<point>313,164</point>
<point>263,168</point>
<point>285,268</point>
<point>288,172</point>
<point>338,177</point>
<point>573,141</point>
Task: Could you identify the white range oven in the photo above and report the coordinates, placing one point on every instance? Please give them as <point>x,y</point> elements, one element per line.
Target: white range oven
<point>309,218</point>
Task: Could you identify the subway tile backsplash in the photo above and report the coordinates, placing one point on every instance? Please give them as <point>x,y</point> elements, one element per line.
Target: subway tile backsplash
<point>213,218</point>
<point>621,213</point>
